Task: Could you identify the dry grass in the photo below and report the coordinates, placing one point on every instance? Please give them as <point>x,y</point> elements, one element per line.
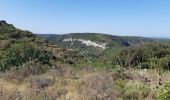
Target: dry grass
<point>71,84</point>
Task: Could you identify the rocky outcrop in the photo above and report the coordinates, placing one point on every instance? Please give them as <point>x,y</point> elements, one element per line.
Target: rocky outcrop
<point>87,42</point>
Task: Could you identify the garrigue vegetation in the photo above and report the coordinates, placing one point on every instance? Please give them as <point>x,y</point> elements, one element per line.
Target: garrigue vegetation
<point>19,47</point>
<point>31,68</point>
<point>147,56</point>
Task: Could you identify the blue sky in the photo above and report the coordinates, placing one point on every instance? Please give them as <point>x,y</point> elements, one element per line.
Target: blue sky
<point>118,17</point>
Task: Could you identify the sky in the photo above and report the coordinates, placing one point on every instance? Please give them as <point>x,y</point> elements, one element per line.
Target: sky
<point>149,18</point>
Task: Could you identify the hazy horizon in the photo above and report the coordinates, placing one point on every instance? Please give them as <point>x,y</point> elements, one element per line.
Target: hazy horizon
<point>117,17</point>
<point>160,37</point>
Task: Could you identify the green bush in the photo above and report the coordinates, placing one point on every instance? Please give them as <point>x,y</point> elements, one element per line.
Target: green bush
<point>146,56</point>
<point>164,93</point>
<point>165,62</point>
<point>145,65</point>
<point>22,52</point>
<point>136,92</point>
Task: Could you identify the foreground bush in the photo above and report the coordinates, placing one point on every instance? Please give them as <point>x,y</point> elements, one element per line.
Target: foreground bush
<point>28,69</point>
<point>164,93</point>
<point>21,53</point>
<point>98,87</point>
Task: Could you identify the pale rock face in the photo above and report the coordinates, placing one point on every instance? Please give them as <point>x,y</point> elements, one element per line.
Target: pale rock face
<point>87,43</point>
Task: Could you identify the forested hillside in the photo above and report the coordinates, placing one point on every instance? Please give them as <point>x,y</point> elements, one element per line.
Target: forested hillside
<point>18,47</point>
<point>102,50</point>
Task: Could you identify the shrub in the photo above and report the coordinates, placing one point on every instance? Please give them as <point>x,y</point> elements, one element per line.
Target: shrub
<point>136,92</point>
<point>41,82</point>
<point>145,65</point>
<point>146,56</point>
<point>164,93</point>
<point>165,63</point>
<point>23,52</point>
<point>28,69</point>
<point>98,87</point>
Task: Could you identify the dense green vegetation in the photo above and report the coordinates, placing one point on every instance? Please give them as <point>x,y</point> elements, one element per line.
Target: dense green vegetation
<point>20,53</point>
<point>19,47</point>
<point>153,55</point>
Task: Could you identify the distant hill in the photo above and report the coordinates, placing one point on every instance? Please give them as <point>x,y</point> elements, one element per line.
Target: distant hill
<point>95,42</point>
<point>76,40</point>
<point>99,49</point>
